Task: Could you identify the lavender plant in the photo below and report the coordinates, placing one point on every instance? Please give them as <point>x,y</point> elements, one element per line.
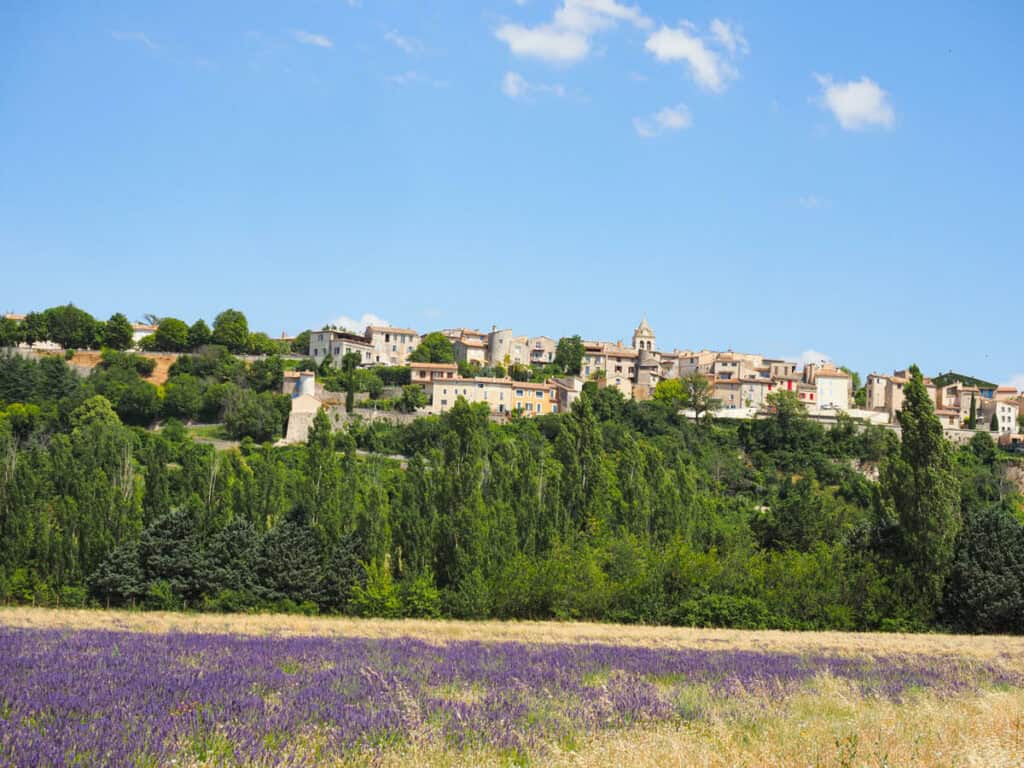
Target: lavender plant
<point>102,698</point>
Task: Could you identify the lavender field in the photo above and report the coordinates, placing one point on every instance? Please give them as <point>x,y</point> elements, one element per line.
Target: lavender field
<point>113,698</point>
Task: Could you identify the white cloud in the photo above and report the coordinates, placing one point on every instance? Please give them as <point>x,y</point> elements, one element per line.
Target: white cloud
<point>669,119</point>
<point>729,36</point>
<point>308,38</point>
<point>682,44</point>
<point>400,41</point>
<point>413,77</point>
<point>358,326</point>
<point>515,86</point>
<point>814,356</point>
<point>813,201</point>
<point>134,37</point>
<point>857,104</point>
<point>566,38</point>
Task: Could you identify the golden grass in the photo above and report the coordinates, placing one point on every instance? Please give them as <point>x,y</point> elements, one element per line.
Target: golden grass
<point>1007,649</point>
<point>828,729</point>
<point>829,725</point>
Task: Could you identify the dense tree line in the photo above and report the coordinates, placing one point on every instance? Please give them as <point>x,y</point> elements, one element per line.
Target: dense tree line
<point>74,328</point>
<point>211,386</point>
<point>618,511</point>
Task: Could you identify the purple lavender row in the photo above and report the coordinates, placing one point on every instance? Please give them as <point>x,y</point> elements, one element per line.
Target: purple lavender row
<point>97,698</point>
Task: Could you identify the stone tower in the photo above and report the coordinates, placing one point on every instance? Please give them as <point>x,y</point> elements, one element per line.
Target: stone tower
<point>643,337</point>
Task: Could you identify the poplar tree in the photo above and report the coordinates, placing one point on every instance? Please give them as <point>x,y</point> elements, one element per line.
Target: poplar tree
<point>921,483</point>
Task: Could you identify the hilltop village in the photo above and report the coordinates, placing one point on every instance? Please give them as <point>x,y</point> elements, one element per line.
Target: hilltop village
<point>500,369</point>
<point>427,373</point>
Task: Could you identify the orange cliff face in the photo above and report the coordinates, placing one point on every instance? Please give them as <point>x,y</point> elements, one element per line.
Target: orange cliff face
<point>90,358</point>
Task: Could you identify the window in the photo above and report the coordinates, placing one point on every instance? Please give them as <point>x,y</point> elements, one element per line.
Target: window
<point>387,337</point>
<point>539,393</point>
<point>519,393</point>
<point>444,403</point>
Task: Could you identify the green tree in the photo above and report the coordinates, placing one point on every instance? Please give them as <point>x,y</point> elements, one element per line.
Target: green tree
<point>433,348</point>
<point>412,398</point>
<point>170,552</point>
<point>670,392</point>
<point>172,335</point>
<point>288,563</point>
<point>248,414</point>
<point>921,484</point>
<point>379,596</point>
<point>985,590</point>
<point>349,364</point>
<point>300,344</point>
<point>569,355</point>
<point>119,579</point>
<point>972,418</point>
<point>117,333</point>
<point>183,396</point>
<point>267,374</point>
<point>33,327</point>
<point>198,335</point>
<point>261,344</point>
<point>860,393</point>
<point>580,448</point>
<point>10,334</point>
<point>993,425</point>
<point>231,330</point>
<point>698,395</point>
<point>71,327</point>
<point>323,477</point>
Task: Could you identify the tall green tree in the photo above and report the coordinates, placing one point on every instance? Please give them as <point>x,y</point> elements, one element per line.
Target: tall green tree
<point>33,328</point>
<point>698,395</point>
<point>231,330</point>
<point>323,476</point>
<point>71,327</point>
<point>569,355</point>
<point>172,335</point>
<point>199,335</point>
<point>183,396</point>
<point>433,348</point>
<point>985,590</point>
<point>117,333</point>
<point>412,398</point>
<point>921,484</point>
<point>300,344</point>
<point>10,334</point>
<point>349,364</point>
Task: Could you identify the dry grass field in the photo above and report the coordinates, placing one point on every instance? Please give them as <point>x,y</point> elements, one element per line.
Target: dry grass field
<point>828,722</point>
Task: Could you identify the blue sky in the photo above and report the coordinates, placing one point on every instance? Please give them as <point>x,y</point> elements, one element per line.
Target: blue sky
<point>762,177</point>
